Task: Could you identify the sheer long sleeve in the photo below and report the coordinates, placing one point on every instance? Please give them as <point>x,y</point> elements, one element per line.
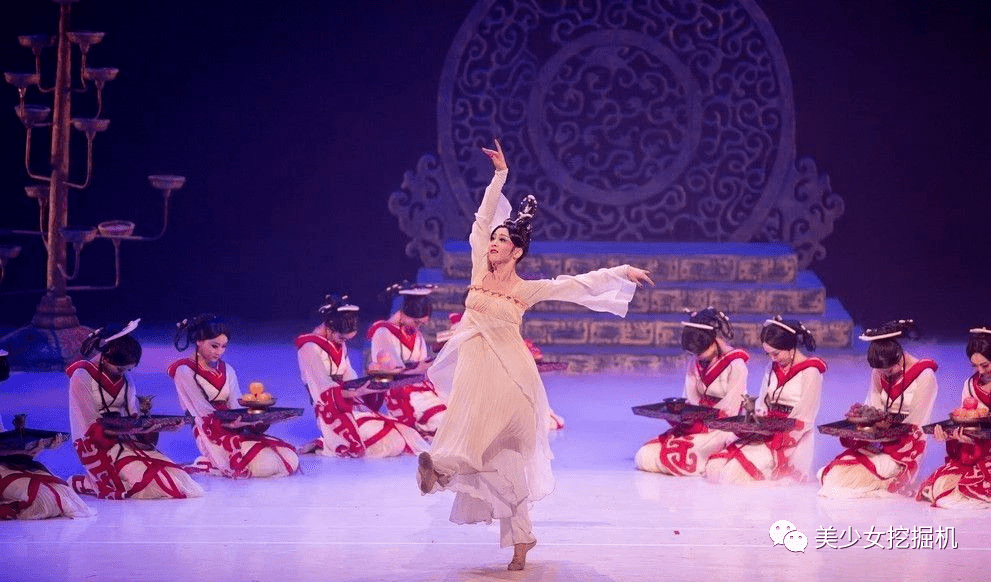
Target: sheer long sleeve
<point>313,369</point>
<point>735,378</point>
<point>233,388</point>
<point>607,290</point>
<point>190,395</point>
<point>494,208</point>
<point>923,399</point>
<point>82,412</point>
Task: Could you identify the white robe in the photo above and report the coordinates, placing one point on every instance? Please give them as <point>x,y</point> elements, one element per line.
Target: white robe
<point>348,428</point>
<point>416,405</point>
<point>224,451</point>
<point>118,467</point>
<point>31,491</point>
<point>680,451</point>
<point>850,474</point>
<point>787,457</point>
<point>492,447</point>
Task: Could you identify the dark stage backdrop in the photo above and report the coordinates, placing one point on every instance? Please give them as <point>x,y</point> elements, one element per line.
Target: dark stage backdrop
<point>295,121</point>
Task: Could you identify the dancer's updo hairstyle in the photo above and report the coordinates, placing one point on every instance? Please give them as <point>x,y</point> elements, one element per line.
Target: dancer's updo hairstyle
<point>785,334</point>
<point>416,298</point>
<point>204,326</point>
<point>115,345</point>
<point>979,341</point>
<point>339,315</point>
<point>885,350</point>
<point>701,329</point>
<point>521,228</point>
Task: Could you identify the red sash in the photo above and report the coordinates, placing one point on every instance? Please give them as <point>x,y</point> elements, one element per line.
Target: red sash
<point>217,378</point>
<point>36,480</point>
<point>334,351</point>
<point>975,390</point>
<point>897,388</point>
<point>105,383</point>
<point>716,368</point>
<point>783,378</point>
<point>405,334</point>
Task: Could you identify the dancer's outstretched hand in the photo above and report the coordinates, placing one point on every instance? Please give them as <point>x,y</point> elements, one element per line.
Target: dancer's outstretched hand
<point>639,276</point>
<point>497,157</point>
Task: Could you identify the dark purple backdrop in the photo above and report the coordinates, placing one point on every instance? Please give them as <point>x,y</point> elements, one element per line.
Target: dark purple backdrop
<point>295,121</point>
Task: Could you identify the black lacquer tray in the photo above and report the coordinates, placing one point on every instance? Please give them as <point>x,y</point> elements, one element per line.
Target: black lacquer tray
<point>269,415</point>
<point>868,433</point>
<point>30,441</point>
<point>759,426</point>
<point>979,429</point>
<point>144,424</point>
<point>676,411</point>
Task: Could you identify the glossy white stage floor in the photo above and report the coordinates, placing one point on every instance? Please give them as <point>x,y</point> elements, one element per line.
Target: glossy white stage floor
<point>365,519</point>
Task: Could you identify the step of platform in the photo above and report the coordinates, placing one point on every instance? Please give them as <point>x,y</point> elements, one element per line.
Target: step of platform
<point>653,361</point>
<point>832,329</point>
<point>805,295</point>
<point>725,262</point>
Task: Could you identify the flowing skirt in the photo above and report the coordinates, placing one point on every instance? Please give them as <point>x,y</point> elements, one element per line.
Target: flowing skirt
<point>29,491</point>
<point>487,449</point>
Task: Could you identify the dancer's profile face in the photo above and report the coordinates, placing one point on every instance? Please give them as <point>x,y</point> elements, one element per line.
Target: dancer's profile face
<point>710,352</point>
<point>501,247</point>
<point>892,372</point>
<point>981,364</point>
<point>115,371</point>
<point>338,337</point>
<point>212,349</point>
<point>782,358</point>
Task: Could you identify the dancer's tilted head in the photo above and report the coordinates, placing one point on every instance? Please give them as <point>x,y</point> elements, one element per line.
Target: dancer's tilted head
<point>519,229</point>
<point>786,334</point>
<point>118,351</point>
<point>979,350</point>
<point>209,333</point>
<point>699,333</point>
<point>340,315</point>
<point>416,306</point>
<point>885,352</point>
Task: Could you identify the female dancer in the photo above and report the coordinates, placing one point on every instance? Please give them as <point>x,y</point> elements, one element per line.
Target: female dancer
<point>900,384</point>
<point>398,344</point>
<point>492,448</point>
<point>791,389</point>
<point>964,481</point>
<point>716,378</point>
<point>117,466</point>
<point>205,384</point>
<point>28,490</point>
<point>349,421</point>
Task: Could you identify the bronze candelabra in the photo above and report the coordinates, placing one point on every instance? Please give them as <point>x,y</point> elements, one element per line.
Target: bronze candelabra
<point>53,338</point>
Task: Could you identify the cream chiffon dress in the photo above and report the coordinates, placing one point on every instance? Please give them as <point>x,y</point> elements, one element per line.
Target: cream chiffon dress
<point>492,447</point>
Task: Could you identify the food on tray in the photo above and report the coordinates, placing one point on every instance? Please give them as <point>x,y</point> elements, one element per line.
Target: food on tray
<point>970,411</point>
<point>864,414</point>
<point>256,394</point>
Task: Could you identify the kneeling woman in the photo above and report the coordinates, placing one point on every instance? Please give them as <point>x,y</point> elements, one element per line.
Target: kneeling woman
<point>964,481</point>
<point>717,378</point>
<point>349,421</point>
<point>206,384</point>
<point>27,489</point>
<point>900,384</point>
<point>791,389</point>
<point>117,466</point>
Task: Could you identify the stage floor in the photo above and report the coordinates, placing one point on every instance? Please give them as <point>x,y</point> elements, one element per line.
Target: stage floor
<point>356,519</point>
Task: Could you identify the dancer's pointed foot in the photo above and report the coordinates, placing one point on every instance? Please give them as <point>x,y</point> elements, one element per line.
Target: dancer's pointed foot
<point>426,475</point>
<point>519,555</point>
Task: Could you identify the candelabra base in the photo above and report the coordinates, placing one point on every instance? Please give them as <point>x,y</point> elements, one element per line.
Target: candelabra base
<point>40,349</point>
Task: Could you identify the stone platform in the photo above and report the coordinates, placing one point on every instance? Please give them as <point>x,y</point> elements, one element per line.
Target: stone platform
<point>750,282</point>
